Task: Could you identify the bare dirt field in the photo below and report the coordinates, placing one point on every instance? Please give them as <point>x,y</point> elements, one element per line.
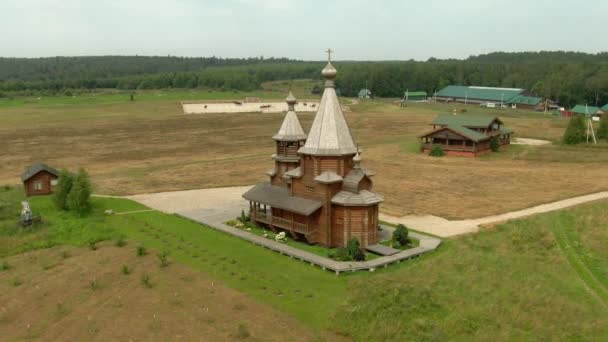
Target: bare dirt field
<point>151,146</point>
<point>73,294</point>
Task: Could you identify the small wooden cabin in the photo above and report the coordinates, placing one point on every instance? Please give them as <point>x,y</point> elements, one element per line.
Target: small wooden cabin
<point>465,135</point>
<point>39,179</point>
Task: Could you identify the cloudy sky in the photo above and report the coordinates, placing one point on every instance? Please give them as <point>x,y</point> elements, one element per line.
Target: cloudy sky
<point>302,29</point>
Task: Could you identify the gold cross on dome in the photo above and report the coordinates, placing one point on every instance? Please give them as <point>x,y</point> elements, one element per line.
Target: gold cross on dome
<point>329,51</point>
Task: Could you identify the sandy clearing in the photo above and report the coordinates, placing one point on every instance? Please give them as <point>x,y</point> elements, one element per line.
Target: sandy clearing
<point>246,107</point>
<point>222,201</point>
<point>531,142</point>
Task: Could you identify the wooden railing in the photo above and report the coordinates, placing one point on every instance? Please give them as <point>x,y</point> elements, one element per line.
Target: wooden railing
<point>297,227</point>
<point>262,217</point>
<point>452,147</point>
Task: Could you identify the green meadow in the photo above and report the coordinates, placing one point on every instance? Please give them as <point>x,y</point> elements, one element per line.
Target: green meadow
<point>539,278</point>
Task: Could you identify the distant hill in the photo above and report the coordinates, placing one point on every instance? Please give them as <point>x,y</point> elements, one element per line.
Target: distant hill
<point>568,77</point>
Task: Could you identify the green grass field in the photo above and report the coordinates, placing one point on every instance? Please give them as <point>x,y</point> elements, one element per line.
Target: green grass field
<point>538,278</point>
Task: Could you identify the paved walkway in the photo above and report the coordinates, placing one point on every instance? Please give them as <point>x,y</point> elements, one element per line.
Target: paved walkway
<point>216,220</point>
<point>441,227</point>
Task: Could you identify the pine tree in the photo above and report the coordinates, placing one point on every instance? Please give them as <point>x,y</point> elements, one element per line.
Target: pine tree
<point>64,186</point>
<point>80,195</point>
<point>576,131</point>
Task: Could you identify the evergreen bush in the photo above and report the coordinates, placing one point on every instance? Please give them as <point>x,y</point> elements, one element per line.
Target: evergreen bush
<point>353,248</point>
<point>494,144</point>
<point>64,186</point>
<point>437,151</point>
<point>79,198</point>
<point>576,131</point>
<point>401,235</point>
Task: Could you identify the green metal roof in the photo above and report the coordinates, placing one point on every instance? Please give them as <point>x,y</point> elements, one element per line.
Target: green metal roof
<point>582,109</point>
<point>605,108</point>
<point>415,93</point>
<point>469,133</point>
<point>465,121</point>
<point>480,93</point>
<point>526,100</point>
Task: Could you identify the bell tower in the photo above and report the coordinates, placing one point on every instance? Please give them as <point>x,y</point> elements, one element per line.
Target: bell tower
<point>288,141</point>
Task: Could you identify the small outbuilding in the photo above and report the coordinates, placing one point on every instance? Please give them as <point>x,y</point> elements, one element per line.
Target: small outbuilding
<point>594,112</point>
<point>465,135</point>
<point>39,179</point>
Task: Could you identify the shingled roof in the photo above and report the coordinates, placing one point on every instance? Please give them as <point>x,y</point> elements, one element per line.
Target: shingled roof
<point>329,134</point>
<point>36,168</point>
<point>291,129</point>
<point>278,197</point>
<point>463,120</point>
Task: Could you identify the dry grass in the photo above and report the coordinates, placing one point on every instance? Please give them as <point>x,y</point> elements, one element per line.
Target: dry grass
<point>149,146</point>
<point>57,301</point>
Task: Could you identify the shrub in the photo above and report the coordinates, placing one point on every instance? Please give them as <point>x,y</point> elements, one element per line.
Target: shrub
<point>64,186</point>
<point>163,257</point>
<point>232,223</point>
<point>244,218</point>
<point>65,254</point>
<point>281,237</point>
<point>125,270</point>
<point>94,285</point>
<point>354,250</point>
<point>145,281</point>
<point>602,132</point>
<point>576,132</point>
<point>141,251</point>
<point>4,266</point>
<point>401,235</point>
<point>16,282</point>
<point>120,242</point>
<point>79,198</point>
<point>437,151</point>
<point>242,332</point>
<point>93,245</point>
<point>494,144</point>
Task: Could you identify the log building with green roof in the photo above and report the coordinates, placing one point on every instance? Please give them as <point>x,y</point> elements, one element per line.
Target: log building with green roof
<point>467,136</point>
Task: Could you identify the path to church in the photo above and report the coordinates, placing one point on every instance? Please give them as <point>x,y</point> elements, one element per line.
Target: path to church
<point>227,202</point>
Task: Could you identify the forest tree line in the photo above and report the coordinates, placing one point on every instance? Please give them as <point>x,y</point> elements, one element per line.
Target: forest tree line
<point>566,77</point>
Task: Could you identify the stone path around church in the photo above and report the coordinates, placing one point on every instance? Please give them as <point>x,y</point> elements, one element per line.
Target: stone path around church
<point>229,202</point>
<point>215,220</point>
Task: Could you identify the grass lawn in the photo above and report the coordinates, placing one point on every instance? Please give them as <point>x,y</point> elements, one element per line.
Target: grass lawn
<point>538,278</point>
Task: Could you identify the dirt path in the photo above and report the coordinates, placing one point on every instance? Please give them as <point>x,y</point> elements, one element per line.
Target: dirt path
<point>228,200</point>
<point>445,228</point>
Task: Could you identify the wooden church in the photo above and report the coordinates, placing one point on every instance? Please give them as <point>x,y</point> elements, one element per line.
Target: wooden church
<point>318,190</point>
